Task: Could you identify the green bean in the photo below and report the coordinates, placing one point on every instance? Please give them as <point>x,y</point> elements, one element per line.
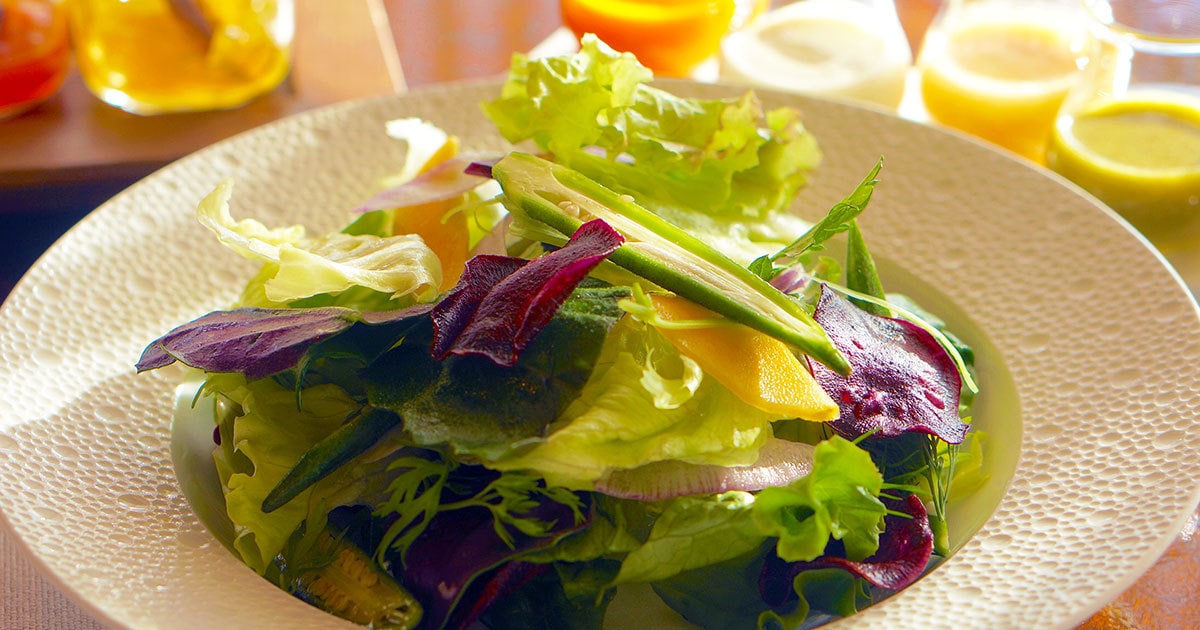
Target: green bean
<point>349,441</point>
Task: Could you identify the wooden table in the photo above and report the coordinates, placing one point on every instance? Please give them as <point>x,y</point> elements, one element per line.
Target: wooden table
<point>63,158</point>
<point>68,155</point>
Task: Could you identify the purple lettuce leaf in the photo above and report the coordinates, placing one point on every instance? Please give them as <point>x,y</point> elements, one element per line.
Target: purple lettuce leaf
<point>447,180</point>
<point>901,379</point>
<point>461,546</point>
<point>904,548</point>
<point>904,551</point>
<point>258,342</point>
<point>500,304</point>
<point>497,585</point>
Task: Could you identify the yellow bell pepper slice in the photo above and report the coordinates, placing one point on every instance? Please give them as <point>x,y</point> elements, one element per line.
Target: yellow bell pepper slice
<point>757,368</point>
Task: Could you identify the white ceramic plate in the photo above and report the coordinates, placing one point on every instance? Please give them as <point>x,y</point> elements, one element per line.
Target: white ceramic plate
<point>1090,350</point>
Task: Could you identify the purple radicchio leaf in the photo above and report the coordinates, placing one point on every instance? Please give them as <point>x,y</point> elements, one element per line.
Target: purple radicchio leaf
<point>500,304</point>
<point>258,342</point>
<point>447,180</point>
<point>449,567</point>
<point>904,548</point>
<point>901,379</point>
<point>904,551</point>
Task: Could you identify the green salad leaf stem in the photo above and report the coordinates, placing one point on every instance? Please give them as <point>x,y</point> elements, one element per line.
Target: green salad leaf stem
<point>662,253</point>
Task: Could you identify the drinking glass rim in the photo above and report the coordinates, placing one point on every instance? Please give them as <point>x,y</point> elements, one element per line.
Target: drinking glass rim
<point>1159,41</point>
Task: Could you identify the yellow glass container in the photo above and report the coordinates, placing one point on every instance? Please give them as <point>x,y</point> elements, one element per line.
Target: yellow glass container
<point>161,56</point>
<point>1129,133</point>
<point>1000,69</point>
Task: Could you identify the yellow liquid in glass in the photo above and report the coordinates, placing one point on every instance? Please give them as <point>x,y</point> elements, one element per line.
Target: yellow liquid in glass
<point>148,56</point>
<point>1002,80</point>
<point>1141,156</point>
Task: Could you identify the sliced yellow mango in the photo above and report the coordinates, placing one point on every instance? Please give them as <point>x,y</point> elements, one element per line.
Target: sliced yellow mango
<point>757,368</point>
<point>449,238</point>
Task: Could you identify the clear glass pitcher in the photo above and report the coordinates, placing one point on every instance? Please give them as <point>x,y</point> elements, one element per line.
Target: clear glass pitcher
<point>854,49</point>
<point>1129,133</point>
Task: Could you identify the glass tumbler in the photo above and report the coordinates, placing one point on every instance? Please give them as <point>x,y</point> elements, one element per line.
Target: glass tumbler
<point>1129,133</point>
<point>161,56</point>
<point>1000,69</point>
<point>35,53</point>
<point>671,37</point>
<point>854,49</point>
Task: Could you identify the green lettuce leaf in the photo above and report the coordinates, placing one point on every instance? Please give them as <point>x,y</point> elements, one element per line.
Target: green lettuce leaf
<point>693,533</point>
<point>834,592</point>
<point>300,268</point>
<point>725,157</point>
<point>720,595</point>
<point>615,424</point>
<point>266,441</point>
<point>838,499</point>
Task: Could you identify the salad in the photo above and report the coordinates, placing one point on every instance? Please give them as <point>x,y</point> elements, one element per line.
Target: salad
<point>514,384</point>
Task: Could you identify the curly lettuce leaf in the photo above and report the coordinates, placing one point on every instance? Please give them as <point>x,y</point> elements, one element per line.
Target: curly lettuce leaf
<point>838,499</point>
<point>267,440</point>
<point>726,158</point>
<point>395,265</point>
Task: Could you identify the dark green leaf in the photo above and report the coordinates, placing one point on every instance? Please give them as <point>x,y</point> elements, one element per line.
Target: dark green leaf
<point>472,403</point>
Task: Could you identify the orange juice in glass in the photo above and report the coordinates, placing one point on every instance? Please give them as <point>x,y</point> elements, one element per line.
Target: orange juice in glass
<point>161,56</point>
<point>671,37</point>
<point>999,69</point>
<point>1130,131</point>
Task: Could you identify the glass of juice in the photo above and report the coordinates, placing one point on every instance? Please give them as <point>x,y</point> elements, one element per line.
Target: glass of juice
<point>671,37</point>
<point>1129,133</point>
<point>999,69</point>
<point>162,56</point>
<point>854,49</point>
<point>35,53</point>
